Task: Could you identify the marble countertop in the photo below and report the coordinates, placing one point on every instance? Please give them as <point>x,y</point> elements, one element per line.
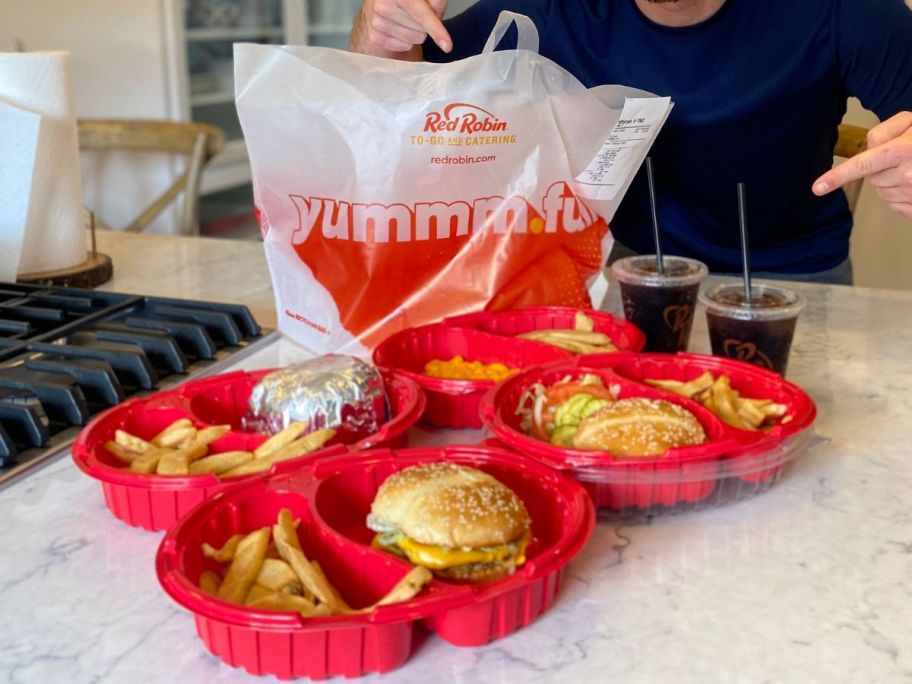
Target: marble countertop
<point>193,268</point>
<point>809,582</point>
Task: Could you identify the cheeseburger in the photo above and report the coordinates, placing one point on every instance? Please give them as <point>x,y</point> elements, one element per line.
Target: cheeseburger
<point>584,414</point>
<point>638,427</point>
<point>459,522</point>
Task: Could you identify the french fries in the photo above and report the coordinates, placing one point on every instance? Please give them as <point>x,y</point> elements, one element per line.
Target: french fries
<point>210,434</point>
<point>146,463</point>
<point>582,339</point>
<point>181,458</point>
<point>170,452</point>
<point>285,531</point>
<point>122,452</point>
<point>717,395</point>
<point>277,575</point>
<point>245,566</point>
<point>299,447</point>
<point>290,583</point>
<point>280,439</point>
<point>226,553</point>
<point>408,587</point>
<point>220,463</point>
<point>257,591</point>
<point>131,443</point>
<point>582,322</point>
<point>691,389</point>
<point>209,582</point>
<point>288,602</point>
<point>286,541</point>
<point>173,462</point>
<point>174,434</point>
<point>181,449</point>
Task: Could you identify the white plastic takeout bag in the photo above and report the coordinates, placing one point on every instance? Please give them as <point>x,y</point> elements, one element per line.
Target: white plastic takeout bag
<point>395,193</point>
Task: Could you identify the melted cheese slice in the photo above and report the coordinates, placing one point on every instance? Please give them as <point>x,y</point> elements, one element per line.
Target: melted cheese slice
<point>438,557</point>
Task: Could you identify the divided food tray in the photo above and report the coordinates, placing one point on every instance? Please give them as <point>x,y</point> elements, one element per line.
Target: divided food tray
<point>487,337</point>
<point>332,496</point>
<point>155,502</point>
<point>732,464</point>
<point>625,336</point>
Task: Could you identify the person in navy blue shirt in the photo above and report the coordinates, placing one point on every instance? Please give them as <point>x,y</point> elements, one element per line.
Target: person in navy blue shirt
<point>759,88</point>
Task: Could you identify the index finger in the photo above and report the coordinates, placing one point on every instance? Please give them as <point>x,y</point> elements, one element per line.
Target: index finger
<point>891,128</point>
<point>859,166</point>
<point>422,14</point>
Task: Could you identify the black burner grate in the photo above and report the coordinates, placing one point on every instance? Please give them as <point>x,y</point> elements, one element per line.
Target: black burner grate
<point>66,354</point>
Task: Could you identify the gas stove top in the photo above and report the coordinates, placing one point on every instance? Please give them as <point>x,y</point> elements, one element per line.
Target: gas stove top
<point>67,354</point>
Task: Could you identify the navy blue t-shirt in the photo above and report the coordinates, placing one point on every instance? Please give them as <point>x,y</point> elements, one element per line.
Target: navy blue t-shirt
<point>759,90</point>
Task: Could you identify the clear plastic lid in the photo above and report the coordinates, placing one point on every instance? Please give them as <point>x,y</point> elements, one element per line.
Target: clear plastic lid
<point>732,464</point>
<point>644,270</point>
<point>768,302</point>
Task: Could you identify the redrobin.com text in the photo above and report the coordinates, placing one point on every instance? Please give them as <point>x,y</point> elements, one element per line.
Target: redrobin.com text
<point>462,159</point>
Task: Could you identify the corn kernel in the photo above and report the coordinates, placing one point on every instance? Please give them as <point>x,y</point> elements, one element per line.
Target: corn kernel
<point>458,368</point>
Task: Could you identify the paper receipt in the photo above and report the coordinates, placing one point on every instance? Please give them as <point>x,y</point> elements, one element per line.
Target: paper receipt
<point>626,148</point>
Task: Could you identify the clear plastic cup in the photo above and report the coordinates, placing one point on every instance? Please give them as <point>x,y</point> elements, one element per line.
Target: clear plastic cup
<point>759,331</point>
<point>661,305</point>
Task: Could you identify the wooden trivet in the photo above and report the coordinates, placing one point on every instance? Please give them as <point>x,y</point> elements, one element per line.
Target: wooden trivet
<point>95,270</point>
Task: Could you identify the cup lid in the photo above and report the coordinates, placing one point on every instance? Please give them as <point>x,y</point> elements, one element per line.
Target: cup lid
<point>768,302</point>
<point>643,270</point>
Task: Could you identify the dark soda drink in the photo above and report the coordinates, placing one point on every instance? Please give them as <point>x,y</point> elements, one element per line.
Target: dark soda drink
<point>759,331</point>
<point>660,304</point>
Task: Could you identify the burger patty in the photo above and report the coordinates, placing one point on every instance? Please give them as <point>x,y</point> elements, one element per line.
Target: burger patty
<point>439,558</point>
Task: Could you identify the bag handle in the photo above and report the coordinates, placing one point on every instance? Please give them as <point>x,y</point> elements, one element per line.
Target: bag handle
<point>528,33</point>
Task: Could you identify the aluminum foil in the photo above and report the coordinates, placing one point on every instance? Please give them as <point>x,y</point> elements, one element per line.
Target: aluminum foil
<point>333,391</point>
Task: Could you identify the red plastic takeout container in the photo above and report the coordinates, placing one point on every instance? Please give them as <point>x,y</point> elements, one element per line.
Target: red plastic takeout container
<point>332,497</point>
<point>762,455</point>
<point>732,464</point>
<point>625,335</point>
<point>155,502</point>
<point>455,403</point>
<point>487,337</point>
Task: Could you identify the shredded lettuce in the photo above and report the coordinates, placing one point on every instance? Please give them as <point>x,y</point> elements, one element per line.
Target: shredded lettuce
<point>528,401</point>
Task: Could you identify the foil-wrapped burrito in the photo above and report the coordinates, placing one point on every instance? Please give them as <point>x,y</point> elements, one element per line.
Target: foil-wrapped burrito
<point>332,391</point>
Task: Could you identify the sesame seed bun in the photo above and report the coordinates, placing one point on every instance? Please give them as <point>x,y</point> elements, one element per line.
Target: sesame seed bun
<point>639,427</point>
<point>453,506</point>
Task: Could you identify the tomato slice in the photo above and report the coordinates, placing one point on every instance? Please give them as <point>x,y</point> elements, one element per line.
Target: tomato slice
<point>561,392</point>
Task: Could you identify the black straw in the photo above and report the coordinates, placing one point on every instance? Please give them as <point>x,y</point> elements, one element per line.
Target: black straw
<point>745,243</point>
<point>655,216</point>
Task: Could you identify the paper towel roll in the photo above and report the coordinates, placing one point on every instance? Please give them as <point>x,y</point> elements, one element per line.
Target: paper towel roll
<point>55,237</point>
